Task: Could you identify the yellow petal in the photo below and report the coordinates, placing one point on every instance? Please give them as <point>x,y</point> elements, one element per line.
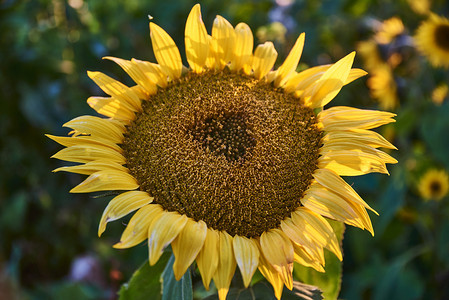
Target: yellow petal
<point>98,127</point>
<point>223,42</point>
<point>304,258</point>
<point>330,84</point>
<point>361,136</point>
<point>122,205</point>
<point>344,118</point>
<point>84,140</point>
<point>352,163</point>
<point>196,40</point>
<point>111,107</point>
<point>136,74</point>
<point>244,43</point>
<point>87,153</point>
<point>92,167</point>
<point>291,63</point>
<point>302,80</point>
<point>106,180</point>
<point>329,204</point>
<point>355,74</point>
<point>187,246</point>
<point>296,234</point>
<point>278,250</point>
<point>335,183</point>
<point>247,257</point>
<point>207,259</point>
<point>166,52</point>
<point>317,229</point>
<point>137,229</point>
<point>153,72</point>
<point>226,265</point>
<point>116,89</point>
<point>263,60</point>
<point>162,232</point>
<point>273,277</point>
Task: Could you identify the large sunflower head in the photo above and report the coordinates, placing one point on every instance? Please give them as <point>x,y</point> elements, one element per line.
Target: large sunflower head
<point>228,160</point>
<point>432,39</point>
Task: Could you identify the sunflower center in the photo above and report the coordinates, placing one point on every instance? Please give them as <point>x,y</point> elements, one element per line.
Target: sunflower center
<point>225,134</point>
<point>442,36</point>
<point>435,188</point>
<point>226,149</point>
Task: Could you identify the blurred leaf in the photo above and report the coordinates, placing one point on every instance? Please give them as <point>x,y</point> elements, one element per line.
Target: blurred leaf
<point>330,281</point>
<point>434,126</point>
<point>173,289</point>
<point>145,282</point>
<point>13,213</point>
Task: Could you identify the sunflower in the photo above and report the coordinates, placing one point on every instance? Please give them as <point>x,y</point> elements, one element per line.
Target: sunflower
<point>383,86</point>
<point>440,93</point>
<point>434,184</point>
<point>432,39</point>
<point>229,161</point>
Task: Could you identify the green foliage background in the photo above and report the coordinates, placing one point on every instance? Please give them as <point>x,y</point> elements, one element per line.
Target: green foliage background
<point>48,45</point>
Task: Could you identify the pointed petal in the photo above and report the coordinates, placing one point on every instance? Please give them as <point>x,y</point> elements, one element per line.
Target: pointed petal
<point>108,180</point>
<point>116,89</point>
<point>223,42</point>
<point>162,232</point>
<point>352,163</point>
<point>92,167</point>
<point>87,153</point>
<point>122,205</point>
<point>244,43</point>
<point>361,136</point>
<point>329,204</point>
<point>302,80</point>
<point>247,257</point>
<point>207,259</point>
<point>355,74</point>
<point>98,127</point>
<point>304,258</point>
<point>344,118</point>
<point>273,277</point>
<point>136,74</point>
<point>278,250</point>
<point>196,40</point>
<point>166,52</point>
<point>153,72</point>
<point>187,246</point>
<point>335,183</point>
<point>354,146</point>
<point>226,265</point>
<point>263,60</point>
<point>317,229</point>
<point>111,107</point>
<point>137,229</point>
<point>291,63</point>
<point>330,84</point>
<point>84,140</point>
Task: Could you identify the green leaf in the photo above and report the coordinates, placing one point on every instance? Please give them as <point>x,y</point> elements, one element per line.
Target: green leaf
<point>173,289</point>
<point>145,282</point>
<point>330,281</point>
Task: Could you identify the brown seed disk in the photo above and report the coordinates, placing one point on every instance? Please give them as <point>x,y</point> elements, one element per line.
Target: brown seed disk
<point>226,149</point>
<point>442,36</point>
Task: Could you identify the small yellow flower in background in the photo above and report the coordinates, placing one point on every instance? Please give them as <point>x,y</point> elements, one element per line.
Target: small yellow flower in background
<point>369,50</point>
<point>389,30</point>
<point>273,32</point>
<point>227,161</point>
<point>432,39</point>
<point>421,7</point>
<point>383,87</point>
<point>434,184</point>
<point>440,93</point>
